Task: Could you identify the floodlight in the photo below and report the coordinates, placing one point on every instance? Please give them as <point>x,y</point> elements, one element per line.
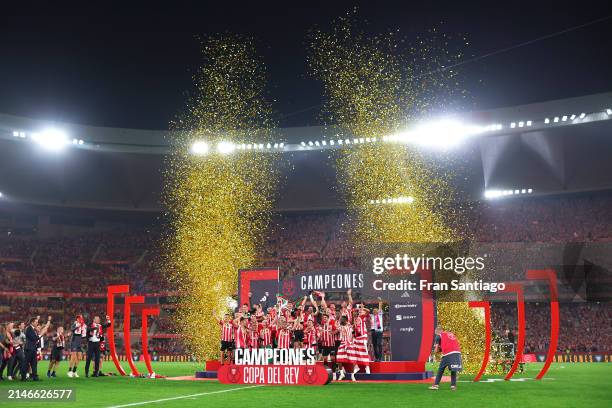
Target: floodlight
<point>490,194</point>
<point>442,133</point>
<point>51,139</point>
<point>225,147</point>
<point>200,147</point>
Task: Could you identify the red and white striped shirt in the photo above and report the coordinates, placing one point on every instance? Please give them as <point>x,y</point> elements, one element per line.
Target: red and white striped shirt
<point>271,319</point>
<point>360,326</point>
<point>348,312</point>
<point>254,339</point>
<point>227,331</point>
<point>283,336</point>
<point>346,334</point>
<point>327,335</point>
<point>241,337</point>
<point>266,337</point>
<point>311,338</point>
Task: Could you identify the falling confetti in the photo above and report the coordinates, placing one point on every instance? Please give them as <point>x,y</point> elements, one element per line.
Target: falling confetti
<point>374,85</point>
<point>218,205</point>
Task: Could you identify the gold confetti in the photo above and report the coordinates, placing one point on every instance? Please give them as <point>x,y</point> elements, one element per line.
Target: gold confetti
<point>218,205</point>
<point>373,85</point>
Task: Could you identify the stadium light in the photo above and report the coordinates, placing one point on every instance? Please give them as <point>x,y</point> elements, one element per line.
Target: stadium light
<point>393,200</point>
<point>442,133</point>
<point>225,147</point>
<point>51,139</point>
<point>199,147</point>
<point>493,194</point>
<point>0,194</point>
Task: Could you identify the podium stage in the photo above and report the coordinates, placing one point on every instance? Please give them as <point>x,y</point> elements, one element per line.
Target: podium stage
<point>379,371</point>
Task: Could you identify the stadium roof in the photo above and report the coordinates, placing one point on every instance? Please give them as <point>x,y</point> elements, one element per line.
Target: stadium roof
<point>549,147</point>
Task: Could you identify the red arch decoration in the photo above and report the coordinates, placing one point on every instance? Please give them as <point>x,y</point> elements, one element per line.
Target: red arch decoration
<point>111,291</point>
<point>127,311</point>
<point>427,329</point>
<point>551,276</point>
<point>520,306</point>
<point>146,312</point>
<point>485,360</point>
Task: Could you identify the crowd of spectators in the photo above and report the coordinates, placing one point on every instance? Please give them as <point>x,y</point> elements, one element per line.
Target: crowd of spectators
<point>584,327</point>
<point>297,242</point>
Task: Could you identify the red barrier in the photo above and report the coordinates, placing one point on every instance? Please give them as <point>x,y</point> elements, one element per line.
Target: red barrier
<point>551,276</point>
<point>146,312</point>
<point>520,305</point>
<point>485,360</point>
<point>127,311</point>
<point>113,290</point>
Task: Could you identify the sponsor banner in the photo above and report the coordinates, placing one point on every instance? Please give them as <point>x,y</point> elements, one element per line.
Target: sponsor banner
<point>405,322</point>
<point>274,374</point>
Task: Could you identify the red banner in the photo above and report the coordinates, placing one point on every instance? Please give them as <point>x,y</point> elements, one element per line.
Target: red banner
<point>274,374</point>
<point>529,358</point>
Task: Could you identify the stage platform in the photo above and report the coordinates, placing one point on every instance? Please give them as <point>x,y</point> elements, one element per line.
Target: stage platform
<point>379,371</point>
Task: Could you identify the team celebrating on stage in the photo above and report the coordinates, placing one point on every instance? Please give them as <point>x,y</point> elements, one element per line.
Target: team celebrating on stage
<point>339,336</point>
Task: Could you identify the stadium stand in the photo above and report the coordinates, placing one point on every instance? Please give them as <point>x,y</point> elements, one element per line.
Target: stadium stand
<point>67,275</point>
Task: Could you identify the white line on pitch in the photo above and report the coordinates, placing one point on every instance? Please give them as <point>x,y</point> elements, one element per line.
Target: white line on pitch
<point>183,397</point>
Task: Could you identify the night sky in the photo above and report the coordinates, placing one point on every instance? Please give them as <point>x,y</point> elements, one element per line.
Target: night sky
<point>130,66</point>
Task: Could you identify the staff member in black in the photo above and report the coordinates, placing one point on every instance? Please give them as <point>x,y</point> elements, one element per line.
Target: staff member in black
<point>31,347</point>
<point>93,344</point>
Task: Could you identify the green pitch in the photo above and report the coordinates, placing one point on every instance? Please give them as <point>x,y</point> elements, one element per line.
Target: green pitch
<point>567,385</point>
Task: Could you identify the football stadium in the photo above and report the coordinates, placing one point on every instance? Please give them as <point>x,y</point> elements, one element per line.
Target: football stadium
<point>399,246</point>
